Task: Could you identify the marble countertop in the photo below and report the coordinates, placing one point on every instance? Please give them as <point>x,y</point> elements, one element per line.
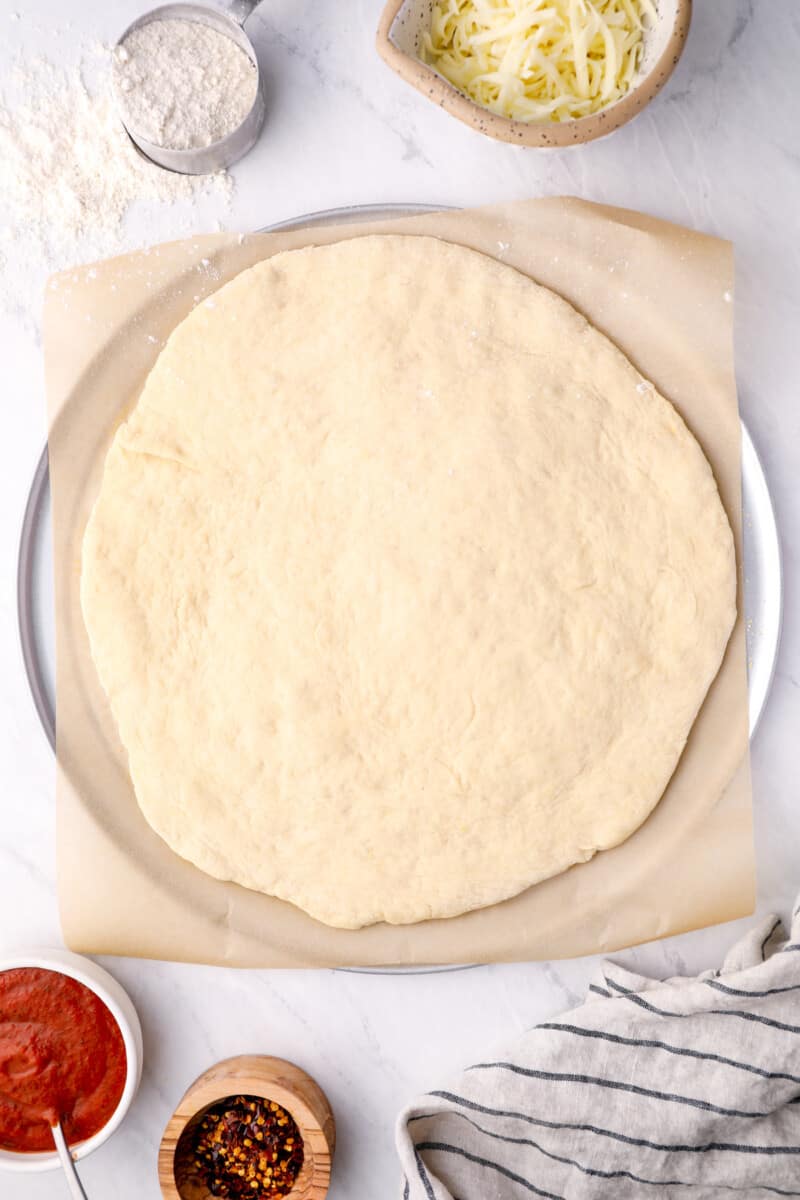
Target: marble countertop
<point>718,150</point>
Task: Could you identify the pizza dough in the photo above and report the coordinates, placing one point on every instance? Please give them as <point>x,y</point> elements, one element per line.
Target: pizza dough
<point>404,586</point>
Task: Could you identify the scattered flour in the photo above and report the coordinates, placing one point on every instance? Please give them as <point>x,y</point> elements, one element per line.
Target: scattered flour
<point>72,186</point>
<point>181,84</point>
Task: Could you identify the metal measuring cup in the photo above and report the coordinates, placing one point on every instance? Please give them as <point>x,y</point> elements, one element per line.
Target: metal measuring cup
<point>204,160</point>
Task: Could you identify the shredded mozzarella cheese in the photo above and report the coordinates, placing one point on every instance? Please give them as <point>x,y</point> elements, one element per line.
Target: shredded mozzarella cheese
<point>535,60</point>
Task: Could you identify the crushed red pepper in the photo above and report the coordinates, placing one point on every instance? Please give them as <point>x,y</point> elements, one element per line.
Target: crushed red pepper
<point>248,1146</point>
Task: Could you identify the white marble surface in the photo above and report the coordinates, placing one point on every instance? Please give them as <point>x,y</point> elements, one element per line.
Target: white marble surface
<point>719,150</point>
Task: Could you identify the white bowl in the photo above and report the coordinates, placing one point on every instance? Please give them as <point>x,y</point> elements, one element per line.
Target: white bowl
<point>123,1012</point>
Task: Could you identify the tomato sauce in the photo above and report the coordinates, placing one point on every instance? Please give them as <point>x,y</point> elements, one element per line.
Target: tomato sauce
<point>61,1057</point>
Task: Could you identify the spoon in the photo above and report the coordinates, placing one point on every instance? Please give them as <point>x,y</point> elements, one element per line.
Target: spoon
<point>227,18</point>
<point>73,1182</point>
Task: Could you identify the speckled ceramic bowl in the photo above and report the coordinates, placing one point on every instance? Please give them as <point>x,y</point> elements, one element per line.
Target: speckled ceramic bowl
<point>403,23</point>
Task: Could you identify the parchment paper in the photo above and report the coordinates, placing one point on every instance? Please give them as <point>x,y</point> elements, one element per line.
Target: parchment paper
<point>663,294</point>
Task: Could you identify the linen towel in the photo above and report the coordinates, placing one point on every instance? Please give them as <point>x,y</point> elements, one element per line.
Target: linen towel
<point>688,1087</point>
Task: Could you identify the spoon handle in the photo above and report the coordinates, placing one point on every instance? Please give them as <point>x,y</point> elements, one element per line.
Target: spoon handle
<point>240,10</point>
<point>73,1182</point>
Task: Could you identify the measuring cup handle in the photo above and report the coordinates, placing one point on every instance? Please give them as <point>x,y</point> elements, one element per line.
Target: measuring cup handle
<point>240,10</point>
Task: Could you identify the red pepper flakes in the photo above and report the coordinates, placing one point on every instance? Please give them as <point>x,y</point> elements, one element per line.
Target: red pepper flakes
<point>248,1146</point>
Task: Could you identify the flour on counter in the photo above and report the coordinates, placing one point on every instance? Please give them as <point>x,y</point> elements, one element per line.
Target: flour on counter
<point>72,186</point>
<point>182,85</point>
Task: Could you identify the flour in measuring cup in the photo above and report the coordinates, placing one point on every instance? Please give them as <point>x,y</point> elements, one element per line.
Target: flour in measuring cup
<point>182,85</point>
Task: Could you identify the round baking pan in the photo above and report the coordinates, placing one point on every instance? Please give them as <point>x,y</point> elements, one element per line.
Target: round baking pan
<point>763,592</point>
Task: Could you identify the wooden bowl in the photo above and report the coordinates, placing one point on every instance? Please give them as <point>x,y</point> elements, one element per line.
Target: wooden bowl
<point>399,40</point>
<point>251,1075</point>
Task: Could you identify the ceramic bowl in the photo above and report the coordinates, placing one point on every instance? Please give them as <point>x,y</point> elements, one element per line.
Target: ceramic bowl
<point>119,1005</point>
<point>250,1075</point>
<point>399,41</point>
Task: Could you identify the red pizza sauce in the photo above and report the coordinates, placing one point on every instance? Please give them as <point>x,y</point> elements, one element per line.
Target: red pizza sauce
<point>61,1057</point>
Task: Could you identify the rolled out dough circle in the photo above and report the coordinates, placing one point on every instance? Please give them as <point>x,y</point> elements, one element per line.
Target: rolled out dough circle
<point>405,588</point>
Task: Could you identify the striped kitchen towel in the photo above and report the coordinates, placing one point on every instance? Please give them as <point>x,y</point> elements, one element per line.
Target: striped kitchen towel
<point>690,1086</point>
